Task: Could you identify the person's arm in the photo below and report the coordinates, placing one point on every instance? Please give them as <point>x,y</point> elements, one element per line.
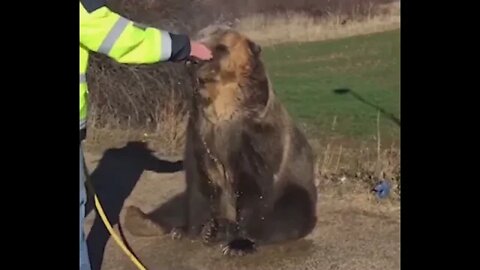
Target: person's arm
<point>106,32</point>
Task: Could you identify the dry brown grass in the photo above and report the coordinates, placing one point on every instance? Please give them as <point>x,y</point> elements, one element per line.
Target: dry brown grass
<point>268,29</point>
<point>137,102</point>
<point>356,168</point>
<point>354,165</point>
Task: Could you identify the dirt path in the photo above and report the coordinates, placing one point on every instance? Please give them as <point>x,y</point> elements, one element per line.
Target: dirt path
<point>353,231</point>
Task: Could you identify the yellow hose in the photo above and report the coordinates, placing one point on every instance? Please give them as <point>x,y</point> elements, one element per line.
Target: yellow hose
<point>117,239</point>
<point>104,218</point>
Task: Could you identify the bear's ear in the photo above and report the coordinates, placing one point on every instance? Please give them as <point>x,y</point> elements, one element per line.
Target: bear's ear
<point>254,48</point>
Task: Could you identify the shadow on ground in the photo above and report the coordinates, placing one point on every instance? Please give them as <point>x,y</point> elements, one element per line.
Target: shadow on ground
<point>114,178</point>
<point>345,91</point>
<point>351,232</point>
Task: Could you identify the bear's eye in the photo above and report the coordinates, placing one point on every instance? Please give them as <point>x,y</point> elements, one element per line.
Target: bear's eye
<point>220,51</point>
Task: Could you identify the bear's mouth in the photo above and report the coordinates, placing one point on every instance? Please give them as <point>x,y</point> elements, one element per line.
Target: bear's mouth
<point>194,64</point>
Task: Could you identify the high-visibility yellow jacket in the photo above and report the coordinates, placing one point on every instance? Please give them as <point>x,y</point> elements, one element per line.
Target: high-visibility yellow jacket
<point>106,32</point>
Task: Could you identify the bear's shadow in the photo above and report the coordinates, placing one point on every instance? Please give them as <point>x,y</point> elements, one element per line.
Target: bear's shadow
<point>171,213</point>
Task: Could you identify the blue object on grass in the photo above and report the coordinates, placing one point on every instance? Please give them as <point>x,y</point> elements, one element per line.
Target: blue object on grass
<point>382,189</point>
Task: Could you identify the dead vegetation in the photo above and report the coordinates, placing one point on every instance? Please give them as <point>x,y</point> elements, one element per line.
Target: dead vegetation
<point>356,168</point>
<point>295,26</point>
<point>134,100</point>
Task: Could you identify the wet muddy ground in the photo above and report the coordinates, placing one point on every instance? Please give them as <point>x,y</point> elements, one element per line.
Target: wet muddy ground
<point>354,231</point>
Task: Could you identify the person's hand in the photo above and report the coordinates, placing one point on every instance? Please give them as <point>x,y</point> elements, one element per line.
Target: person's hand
<point>200,51</point>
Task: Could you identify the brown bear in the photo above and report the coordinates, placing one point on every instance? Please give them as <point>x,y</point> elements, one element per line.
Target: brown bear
<point>249,169</point>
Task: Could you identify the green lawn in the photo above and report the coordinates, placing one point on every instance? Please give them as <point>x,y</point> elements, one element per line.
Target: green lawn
<point>305,76</point>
